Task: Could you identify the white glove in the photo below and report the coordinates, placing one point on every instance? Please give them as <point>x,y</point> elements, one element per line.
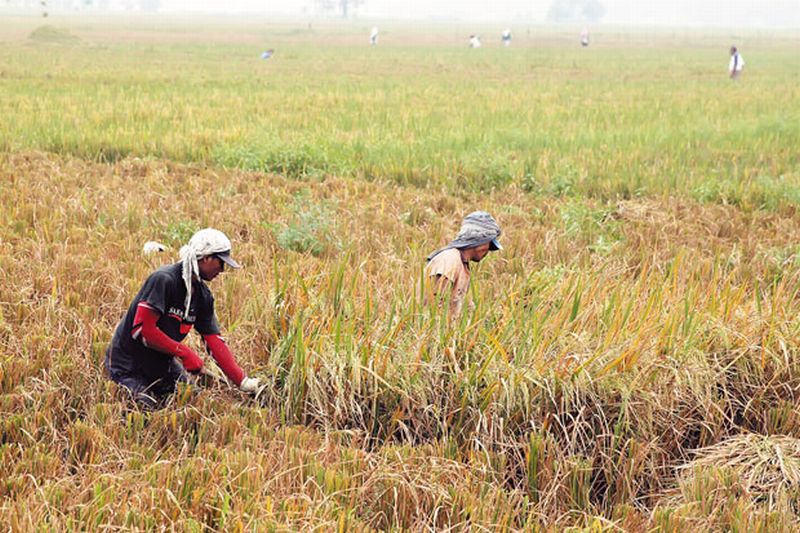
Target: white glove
<point>249,385</point>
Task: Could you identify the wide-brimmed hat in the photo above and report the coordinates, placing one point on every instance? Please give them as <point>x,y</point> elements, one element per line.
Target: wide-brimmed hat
<point>477,228</point>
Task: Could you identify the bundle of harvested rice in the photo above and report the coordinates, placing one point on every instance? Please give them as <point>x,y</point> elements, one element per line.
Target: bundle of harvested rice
<point>766,466</point>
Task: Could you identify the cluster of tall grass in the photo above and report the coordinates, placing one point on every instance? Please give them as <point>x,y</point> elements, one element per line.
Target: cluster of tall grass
<point>609,344</point>
<point>621,119</point>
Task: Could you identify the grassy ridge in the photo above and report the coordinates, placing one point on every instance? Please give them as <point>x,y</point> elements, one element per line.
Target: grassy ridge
<point>606,344</point>
<point>611,121</point>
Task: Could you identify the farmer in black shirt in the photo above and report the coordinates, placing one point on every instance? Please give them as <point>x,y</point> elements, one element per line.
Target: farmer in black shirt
<point>146,354</point>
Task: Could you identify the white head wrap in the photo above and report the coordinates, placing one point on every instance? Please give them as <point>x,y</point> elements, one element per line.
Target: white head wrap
<point>205,242</point>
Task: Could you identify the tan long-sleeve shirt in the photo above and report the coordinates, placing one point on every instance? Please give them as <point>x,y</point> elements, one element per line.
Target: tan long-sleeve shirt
<point>448,265</point>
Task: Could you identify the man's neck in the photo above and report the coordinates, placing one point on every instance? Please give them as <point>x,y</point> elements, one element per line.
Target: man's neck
<point>464,258</point>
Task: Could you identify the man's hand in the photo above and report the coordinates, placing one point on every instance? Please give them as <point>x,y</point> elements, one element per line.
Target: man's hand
<point>190,360</point>
<point>249,385</point>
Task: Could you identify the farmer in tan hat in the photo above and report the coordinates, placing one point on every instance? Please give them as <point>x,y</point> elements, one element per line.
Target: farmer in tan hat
<point>448,267</point>
<point>146,354</point>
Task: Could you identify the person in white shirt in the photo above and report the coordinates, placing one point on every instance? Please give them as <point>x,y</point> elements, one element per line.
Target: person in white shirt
<point>585,37</point>
<point>373,36</point>
<point>474,41</point>
<point>506,37</point>
<point>736,64</point>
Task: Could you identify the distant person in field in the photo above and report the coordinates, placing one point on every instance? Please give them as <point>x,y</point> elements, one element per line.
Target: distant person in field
<point>267,54</point>
<point>474,41</point>
<point>585,37</point>
<point>146,355</point>
<point>736,64</point>
<point>506,37</point>
<point>448,268</point>
<point>373,36</point>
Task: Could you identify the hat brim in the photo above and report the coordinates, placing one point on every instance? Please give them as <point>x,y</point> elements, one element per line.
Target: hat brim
<point>228,260</point>
<point>494,245</point>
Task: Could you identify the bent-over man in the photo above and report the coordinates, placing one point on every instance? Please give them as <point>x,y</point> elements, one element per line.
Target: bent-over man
<point>448,267</point>
<point>146,354</point>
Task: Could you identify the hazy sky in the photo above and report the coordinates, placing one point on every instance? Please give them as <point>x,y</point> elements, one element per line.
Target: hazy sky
<point>779,13</point>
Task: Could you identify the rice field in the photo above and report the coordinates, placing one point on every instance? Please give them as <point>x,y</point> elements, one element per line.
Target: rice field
<point>628,361</point>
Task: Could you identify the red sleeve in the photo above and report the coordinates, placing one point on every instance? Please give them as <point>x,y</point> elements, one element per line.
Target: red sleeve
<point>144,327</point>
<point>222,355</point>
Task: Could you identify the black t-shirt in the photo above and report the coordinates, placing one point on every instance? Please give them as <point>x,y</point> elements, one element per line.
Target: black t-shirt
<point>164,291</point>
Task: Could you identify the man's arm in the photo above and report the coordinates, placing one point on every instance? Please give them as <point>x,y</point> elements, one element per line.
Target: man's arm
<point>146,330</point>
<point>218,349</point>
<point>208,327</point>
<point>456,302</point>
<point>441,283</point>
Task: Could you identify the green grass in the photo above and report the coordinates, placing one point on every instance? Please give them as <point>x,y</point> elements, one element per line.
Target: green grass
<point>611,121</point>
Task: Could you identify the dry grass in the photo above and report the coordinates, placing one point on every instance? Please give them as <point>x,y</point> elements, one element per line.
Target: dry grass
<point>608,342</point>
<point>767,466</point>
<point>748,481</point>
